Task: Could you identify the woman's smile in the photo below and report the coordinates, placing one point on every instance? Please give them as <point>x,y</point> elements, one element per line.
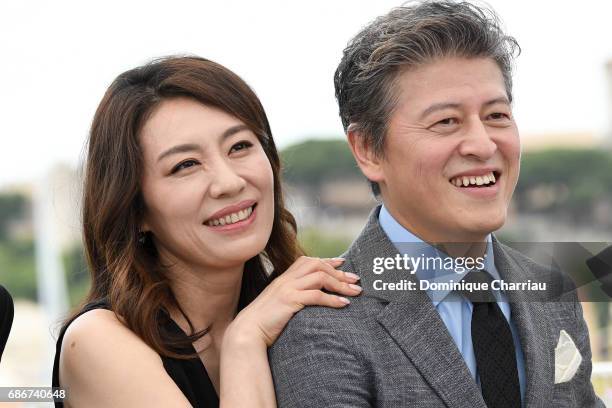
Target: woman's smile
<point>233,218</point>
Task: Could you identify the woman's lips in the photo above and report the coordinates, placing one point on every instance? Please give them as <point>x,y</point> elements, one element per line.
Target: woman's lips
<point>231,209</point>
<point>234,221</point>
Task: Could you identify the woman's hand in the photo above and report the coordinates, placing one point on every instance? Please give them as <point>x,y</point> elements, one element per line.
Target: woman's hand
<point>246,379</point>
<point>301,285</point>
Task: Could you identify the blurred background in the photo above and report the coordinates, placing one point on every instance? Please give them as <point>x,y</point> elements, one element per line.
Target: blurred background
<point>59,57</point>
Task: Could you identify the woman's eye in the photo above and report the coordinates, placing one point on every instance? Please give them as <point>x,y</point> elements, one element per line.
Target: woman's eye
<point>241,146</point>
<point>184,165</point>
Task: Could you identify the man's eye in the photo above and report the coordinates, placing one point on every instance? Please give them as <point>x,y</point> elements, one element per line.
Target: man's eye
<point>184,165</point>
<point>498,116</point>
<point>447,122</point>
<point>241,146</point>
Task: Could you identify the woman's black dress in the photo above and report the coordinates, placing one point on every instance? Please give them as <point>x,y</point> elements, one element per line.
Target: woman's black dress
<point>189,375</point>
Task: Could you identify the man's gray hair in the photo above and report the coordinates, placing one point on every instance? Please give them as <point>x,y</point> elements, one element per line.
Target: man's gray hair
<point>405,38</point>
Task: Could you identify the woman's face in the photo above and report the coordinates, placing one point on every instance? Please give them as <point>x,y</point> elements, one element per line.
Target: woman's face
<point>207,184</point>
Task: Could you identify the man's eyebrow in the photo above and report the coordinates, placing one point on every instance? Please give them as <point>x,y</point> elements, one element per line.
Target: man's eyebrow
<point>451,105</point>
<point>189,147</point>
<point>436,107</point>
<point>501,99</point>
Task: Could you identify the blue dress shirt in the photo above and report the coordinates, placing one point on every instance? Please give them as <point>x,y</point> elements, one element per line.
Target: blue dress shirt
<point>455,311</point>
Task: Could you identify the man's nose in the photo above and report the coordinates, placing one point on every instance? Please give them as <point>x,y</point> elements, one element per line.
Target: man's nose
<point>477,141</point>
<point>226,181</point>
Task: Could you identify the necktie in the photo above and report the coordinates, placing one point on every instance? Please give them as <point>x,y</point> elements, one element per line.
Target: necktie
<point>493,346</point>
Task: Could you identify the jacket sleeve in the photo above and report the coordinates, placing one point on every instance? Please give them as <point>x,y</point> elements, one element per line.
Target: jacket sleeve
<point>316,363</point>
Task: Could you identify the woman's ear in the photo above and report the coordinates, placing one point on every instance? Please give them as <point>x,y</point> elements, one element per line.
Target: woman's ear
<point>142,232</point>
<point>144,226</point>
<point>367,160</point>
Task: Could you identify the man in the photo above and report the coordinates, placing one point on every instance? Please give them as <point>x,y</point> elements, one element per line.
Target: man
<point>425,96</point>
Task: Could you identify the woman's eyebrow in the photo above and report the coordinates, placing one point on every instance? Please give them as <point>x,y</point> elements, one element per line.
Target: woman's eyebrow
<point>189,147</point>
<point>233,130</point>
<point>182,148</point>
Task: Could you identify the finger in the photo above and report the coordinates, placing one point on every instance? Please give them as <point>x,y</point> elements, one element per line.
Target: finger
<point>318,298</point>
<point>305,265</point>
<point>321,280</point>
<point>334,262</point>
<point>340,275</point>
<point>310,265</point>
<point>300,267</point>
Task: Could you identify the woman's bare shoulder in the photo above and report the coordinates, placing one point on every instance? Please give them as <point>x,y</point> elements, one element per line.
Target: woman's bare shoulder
<point>103,363</point>
<point>100,328</point>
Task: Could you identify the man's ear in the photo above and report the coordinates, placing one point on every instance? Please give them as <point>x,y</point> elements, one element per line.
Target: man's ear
<point>367,160</point>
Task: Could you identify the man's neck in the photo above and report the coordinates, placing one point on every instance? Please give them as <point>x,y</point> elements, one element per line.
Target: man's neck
<point>464,249</point>
<point>453,243</point>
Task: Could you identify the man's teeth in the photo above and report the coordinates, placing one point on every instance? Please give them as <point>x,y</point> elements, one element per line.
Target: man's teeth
<point>473,180</point>
<point>231,218</point>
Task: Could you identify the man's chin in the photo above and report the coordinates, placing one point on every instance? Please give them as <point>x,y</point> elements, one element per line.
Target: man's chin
<point>476,227</point>
<point>483,227</point>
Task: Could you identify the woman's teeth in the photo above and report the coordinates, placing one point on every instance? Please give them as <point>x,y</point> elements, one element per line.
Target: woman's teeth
<point>231,218</point>
<point>464,181</point>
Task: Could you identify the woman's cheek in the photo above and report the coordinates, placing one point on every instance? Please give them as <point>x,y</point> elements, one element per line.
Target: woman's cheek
<point>262,170</point>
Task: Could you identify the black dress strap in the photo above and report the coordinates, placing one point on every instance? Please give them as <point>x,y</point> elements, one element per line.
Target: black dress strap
<point>189,374</point>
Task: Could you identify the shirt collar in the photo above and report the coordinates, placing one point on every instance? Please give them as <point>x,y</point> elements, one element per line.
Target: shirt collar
<point>409,244</point>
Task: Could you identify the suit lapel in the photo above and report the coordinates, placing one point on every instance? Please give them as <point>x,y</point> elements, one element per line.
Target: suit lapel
<point>413,322</point>
<point>423,337</point>
<point>535,332</point>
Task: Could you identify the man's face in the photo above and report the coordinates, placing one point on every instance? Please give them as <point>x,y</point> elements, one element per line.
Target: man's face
<point>451,134</point>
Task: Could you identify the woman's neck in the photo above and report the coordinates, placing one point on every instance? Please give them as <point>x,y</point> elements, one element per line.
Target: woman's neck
<point>208,297</point>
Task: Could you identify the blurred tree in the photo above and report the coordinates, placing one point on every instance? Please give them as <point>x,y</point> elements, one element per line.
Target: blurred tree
<point>575,179</point>
<point>77,274</point>
<point>319,244</point>
<point>13,207</point>
<point>17,268</point>
<point>17,263</point>
<point>314,161</point>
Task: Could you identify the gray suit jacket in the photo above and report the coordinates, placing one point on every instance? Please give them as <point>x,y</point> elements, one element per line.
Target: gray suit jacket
<point>391,349</point>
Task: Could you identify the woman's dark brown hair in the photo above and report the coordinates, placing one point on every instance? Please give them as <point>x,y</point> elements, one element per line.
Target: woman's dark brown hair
<point>126,270</point>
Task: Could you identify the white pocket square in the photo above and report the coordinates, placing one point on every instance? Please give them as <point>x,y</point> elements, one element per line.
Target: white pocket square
<point>567,358</point>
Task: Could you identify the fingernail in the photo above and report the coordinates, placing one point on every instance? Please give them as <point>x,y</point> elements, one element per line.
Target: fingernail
<point>344,300</point>
<point>338,259</point>
<point>351,275</point>
<point>355,287</point>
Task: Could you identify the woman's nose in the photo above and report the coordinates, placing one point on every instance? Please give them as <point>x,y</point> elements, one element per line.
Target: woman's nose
<point>226,181</point>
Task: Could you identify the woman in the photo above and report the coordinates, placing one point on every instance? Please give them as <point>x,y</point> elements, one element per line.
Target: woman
<point>183,219</point>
